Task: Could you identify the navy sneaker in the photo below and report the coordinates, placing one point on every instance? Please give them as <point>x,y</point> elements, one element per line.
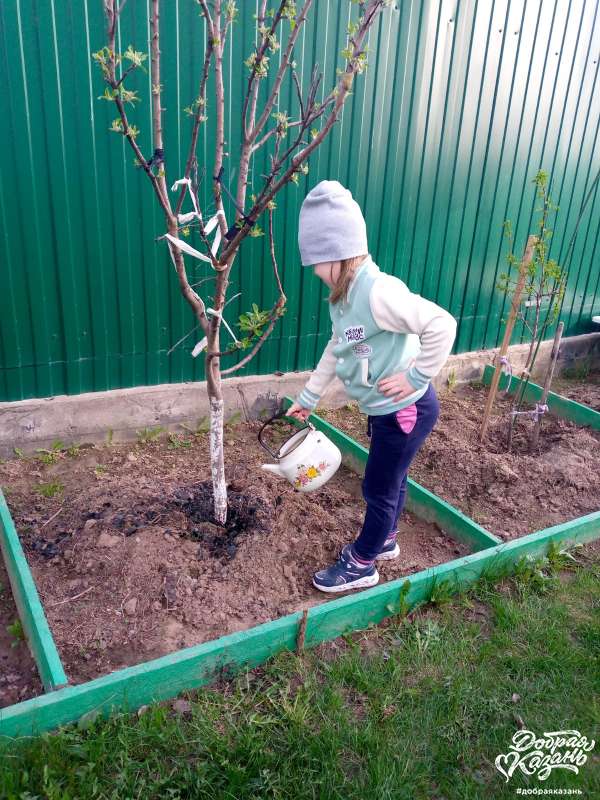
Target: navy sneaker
<point>389,550</point>
<point>345,574</point>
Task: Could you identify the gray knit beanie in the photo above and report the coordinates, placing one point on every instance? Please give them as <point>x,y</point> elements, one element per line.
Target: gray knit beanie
<point>331,225</point>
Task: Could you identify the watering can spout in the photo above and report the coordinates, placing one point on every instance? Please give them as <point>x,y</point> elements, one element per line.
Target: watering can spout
<point>274,468</point>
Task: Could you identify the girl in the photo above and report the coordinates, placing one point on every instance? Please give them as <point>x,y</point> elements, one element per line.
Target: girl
<point>387,344</point>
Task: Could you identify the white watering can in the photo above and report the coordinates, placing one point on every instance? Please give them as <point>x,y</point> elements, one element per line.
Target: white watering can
<point>308,459</point>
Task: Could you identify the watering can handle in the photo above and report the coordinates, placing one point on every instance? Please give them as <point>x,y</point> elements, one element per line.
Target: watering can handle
<point>278,415</point>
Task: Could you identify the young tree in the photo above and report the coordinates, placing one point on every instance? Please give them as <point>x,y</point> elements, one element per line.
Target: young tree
<point>544,283</point>
<point>289,158</point>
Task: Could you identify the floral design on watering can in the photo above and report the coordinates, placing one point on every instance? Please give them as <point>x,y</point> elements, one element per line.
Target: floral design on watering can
<point>307,474</point>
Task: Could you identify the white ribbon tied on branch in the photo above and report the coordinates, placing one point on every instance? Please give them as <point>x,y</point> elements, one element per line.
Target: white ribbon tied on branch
<point>187,248</point>
<point>199,347</point>
<point>196,214</point>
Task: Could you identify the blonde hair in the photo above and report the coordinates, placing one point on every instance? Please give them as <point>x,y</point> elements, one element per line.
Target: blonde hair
<point>347,270</point>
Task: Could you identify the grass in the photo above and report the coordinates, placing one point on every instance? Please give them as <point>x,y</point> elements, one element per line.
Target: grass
<point>579,371</point>
<point>50,489</point>
<point>15,629</point>
<point>202,427</point>
<point>52,455</point>
<point>177,442</point>
<point>147,435</point>
<point>417,708</point>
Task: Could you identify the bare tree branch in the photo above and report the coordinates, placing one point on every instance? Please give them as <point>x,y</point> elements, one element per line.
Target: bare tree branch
<point>156,106</point>
<point>207,15</point>
<point>253,80</point>
<point>197,119</point>
<point>275,312</point>
<point>199,116</point>
<point>112,16</point>
<point>280,72</point>
<point>270,189</point>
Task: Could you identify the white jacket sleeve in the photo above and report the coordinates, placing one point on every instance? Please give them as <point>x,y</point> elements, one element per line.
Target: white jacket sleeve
<point>321,377</point>
<point>396,308</point>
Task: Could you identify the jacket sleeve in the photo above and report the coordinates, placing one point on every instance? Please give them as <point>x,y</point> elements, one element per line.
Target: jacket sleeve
<point>321,377</point>
<point>396,308</point>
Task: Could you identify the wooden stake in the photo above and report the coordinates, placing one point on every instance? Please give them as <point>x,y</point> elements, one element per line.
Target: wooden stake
<point>516,300</point>
<point>547,383</point>
<point>301,635</point>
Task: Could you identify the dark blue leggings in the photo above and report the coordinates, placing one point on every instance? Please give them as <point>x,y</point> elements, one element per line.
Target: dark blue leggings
<point>384,483</point>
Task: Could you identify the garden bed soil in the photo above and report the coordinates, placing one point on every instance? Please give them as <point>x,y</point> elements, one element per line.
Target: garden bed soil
<point>510,494</point>
<point>19,678</point>
<point>129,568</point>
<point>585,390</point>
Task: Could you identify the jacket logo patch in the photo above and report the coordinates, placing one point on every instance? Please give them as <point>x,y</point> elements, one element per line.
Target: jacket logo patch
<point>355,333</point>
<point>362,350</point>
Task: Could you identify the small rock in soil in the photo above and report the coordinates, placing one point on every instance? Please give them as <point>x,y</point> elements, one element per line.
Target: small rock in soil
<point>107,540</point>
<point>90,524</point>
<point>130,606</point>
<point>170,590</point>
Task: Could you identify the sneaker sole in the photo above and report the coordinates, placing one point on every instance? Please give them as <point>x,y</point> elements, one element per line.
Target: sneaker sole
<point>361,583</point>
<point>389,555</point>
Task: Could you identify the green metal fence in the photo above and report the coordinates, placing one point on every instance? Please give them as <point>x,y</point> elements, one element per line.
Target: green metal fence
<point>461,105</point>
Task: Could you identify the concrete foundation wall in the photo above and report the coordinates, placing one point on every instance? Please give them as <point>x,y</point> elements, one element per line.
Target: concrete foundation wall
<point>118,414</point>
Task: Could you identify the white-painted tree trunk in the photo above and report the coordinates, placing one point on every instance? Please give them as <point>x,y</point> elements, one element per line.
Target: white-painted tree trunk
<point>217,462</point>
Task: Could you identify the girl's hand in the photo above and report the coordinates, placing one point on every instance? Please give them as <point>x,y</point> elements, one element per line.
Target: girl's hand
<point>296,410</point>
<point>396,386</point>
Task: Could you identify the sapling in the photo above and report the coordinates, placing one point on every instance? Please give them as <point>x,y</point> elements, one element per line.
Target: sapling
<point>544,284</point>
<point>292,142</point>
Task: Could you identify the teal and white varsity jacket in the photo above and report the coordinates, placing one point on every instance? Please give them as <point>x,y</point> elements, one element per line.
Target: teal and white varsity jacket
<point>383,328</point>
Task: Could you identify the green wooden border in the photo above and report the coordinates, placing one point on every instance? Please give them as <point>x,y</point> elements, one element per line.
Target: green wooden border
<point>559,405</point>
<point>421,501</point>
<point>28,604</point>
<point>193,667</point>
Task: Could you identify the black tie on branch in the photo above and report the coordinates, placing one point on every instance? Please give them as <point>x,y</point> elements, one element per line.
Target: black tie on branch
<point>158,157</point>
<point>231,233</point>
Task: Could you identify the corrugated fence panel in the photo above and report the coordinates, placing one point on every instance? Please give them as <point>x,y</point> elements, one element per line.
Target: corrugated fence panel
<point>461,105</point>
